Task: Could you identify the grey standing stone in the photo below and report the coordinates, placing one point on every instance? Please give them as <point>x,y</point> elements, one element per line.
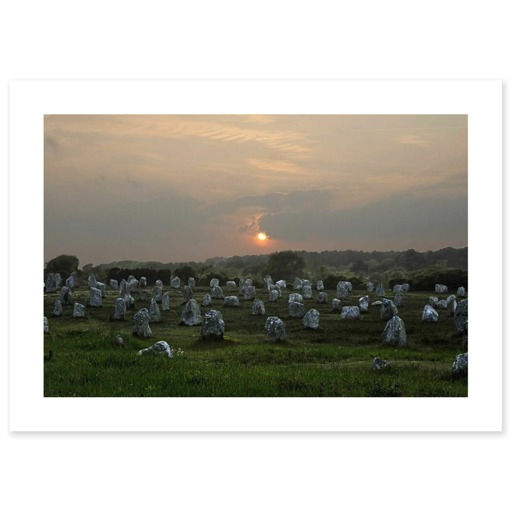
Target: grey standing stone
<point>78,310</point>
<point>441,304</point>
<point>188,294</point>
<point>191,314</point>
<point>249,292</point>
<point>73,281</point>
<point>231,302</point>
<point>213,325</point>
<point>165,301</point>
<point>433,301</point>
<point>322,298</point>
<point>91,281</point>
<point>281,283</point>
<point>364,303</point>
<point>120,309</point>
<point>217,292</point>
<point>297,309</point>
<point>461,291</point>
<point>123,285</point>
<point>406,287</point>
<point>66,296</point>
<point>57,308</point>
<point>394,333</point>
<point>191,282</point>
<point>273,296</point>
<point>94,297</point>
<point>175,282</point>
<point>460,365</point>
<point>350,313</point>
<point>311,319</point>
<point>336,305</point>
<point>387,309</point>
<point>231,284</point>
<point>214,282</point>
<point>460,316</point>
<point>297,284</point>
<point>114,285</point>
<point>441,288</point>
<point>295,297</point>
<point>380,290</point>
<point>46,327</point>
<point>451,305</point>
<point>268,282</point>
<point>430,315</point>
<point>275,329</point>
<point>143,282</point>
<point>258,308</point>
<point>140,324</point>
<point>398,299</point>
<point>160,348</point>
<point>341,290</point>
<point>307,291</point>
<point>370,287</point>
<point>154,312</point>
<point>207,300</point>
<point>397,288</point>
<point>157,293</point>
<point>133,283</point>
<point>320,285</point>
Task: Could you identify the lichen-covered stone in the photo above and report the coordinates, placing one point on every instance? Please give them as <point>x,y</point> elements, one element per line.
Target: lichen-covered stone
<point>297,309</point>
<point>388,309</point>
<point>441,304</point>
<point>73,281</point>
<point>119,309</point>
<point>322,298</point>
<point>78,310</point>
<point>231,301</point>
<point>406,287</point>
<point>214,282</point>
<point>57,308</point>
<point>143,282</point>
<point>188,294</point>
<point>268,282</point>
<point>154,312</point>
<point>451,304</point>
<point>217,292</point>
<point>231,284</point>
<point>132,283</point>
<point>213,325</point>
<point>95,297</point>
<point>175,282</point>
<point>364,303</point>
<point>394,333</point>
<point>441,288</point>
<point>46,327</point>
<point>160,348</point>
<point>461,291</point>
<point>295,297</point>
<point>122,287</point>
<point>350,313</point>
<point>140,324</point>
<point>157,293</point>
<point>342,290</point>
<point>191,282</point>
<point>274,287</point>
<point>397,288</point>
<point>307,291</point>
<point>165,301</point>
<point>460,316</point>
<point>258,308</point>
<point>430,315</point>
<point>275,329</point>
<point>320,285</point>
<point>281,283</point>
<point>66,297</point>
<point>191,314</point>
<point>311,319</point>
<point>249,292</point>
<point>297,284</point>
<point>380,364</point>
<point>114,285</point>
<point>207,300</point>
<point>460,365</point>
<point>336,305</point>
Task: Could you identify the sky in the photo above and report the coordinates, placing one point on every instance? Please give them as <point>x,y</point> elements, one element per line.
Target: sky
<point>179,188</point>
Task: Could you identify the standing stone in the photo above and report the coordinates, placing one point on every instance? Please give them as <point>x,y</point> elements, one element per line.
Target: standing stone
<point>341,290</point>
<point>322,298</point>
<point>133,284</point>
<point>94,297</point>
<point>460,316</point>
<point>268,282</point>
<point>441,304</point>
<point>65,296</point>
<point>122,287</point>
<point>433,301</point>
<point>441,288</point>
<point>281,283</point>
<point>175,282</point>
<point>460,365</point>
<point>275,329</point>
<point>91,281</point>
<point>217,292</point>
<point>461,291</point>
<point>397,288</point>
<point>114,285</point>
<point>258,308</point>
<point>230,284</point>
<point>101,287</point>
<point>297,309</point>
<point>53,282</point>
<point>165,302</point>
<point>213,325</point>
<point>430,315</point>
<point>154,312</point>
<point>57,308</point>
<point>73,281</point>
<point>398,299</point>
<point>451,304</point>
<point>364,303</point>
<point>78,310</point>
<point>249,292</point>
<point>143,282</point>
<point>120,309</point>
<point>297,284</point>
<point>380,290</point>
<point>191,314</point>
<point>387,309</point>
<point>273,296</point>
<point>128,299</point>
<point>119,341</point>
<point>394,333</point>
<point>207,300</point>
<point>160,348</point>
<point>187,293</point>
<point>336,305</point>
<point>140,324</point>
<point>350,313</point>
<point>406,287</point>
<point>159,284</point>
<point>311,319</point>
<point>191,282</point>
<point>370,287</point>
<point>320,285</point>
<point>214,282</point>
<point>231,302</point>
<point>307,291</point>
<point>157,293</point>
<point>46,328</point>
<point>295,297</point>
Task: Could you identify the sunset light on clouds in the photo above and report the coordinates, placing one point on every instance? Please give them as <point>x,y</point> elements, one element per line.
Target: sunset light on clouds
<point>190,187</point>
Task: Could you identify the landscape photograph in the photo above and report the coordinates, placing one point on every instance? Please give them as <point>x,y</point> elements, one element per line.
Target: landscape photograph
<point>250,255</point>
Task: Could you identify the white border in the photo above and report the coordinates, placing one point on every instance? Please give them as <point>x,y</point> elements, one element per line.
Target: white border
<point>31,100</point>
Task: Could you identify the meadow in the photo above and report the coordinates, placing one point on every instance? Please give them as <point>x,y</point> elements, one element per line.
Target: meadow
<point>81,358</point>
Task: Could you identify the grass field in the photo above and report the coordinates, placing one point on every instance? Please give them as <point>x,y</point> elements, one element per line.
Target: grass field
<point>335,360</point>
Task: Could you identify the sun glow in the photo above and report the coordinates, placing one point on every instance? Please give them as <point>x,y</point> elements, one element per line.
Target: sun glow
<point>262,236</point>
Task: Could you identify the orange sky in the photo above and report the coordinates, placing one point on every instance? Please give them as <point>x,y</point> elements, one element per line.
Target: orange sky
<point>185,188</point>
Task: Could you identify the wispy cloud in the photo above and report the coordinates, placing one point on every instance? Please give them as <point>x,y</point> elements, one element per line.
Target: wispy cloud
<point>413,140</point>
<point>275,165</point>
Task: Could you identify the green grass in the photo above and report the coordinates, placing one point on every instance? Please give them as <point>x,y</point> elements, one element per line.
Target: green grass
<point>335,360</point>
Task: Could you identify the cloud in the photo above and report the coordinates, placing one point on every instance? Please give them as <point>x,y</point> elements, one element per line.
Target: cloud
<point>275,165</point>
<point>413,140</point>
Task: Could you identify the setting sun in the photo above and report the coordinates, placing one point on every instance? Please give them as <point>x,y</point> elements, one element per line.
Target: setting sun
<point>262,236</point>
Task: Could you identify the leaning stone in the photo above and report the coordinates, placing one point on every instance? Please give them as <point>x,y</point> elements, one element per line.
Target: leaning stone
<point>78,310</point>
<point>311,319</point>
<point>320,285</point>
<point>213,325</point>
<point>191,314</point>
<point>175,282</point>
<point>53,282</point>
<point>394,333</point>
<point>165,302</point>
<point>297,284</point>
<point>297,309</point>
<point>114,285</point>
<point>120,309</point>
<point>65,296</point>
<point>363,304</point>
<point>451,304</point>
<point>57,308</point>
<point>430,315</point>
<point>380,364</point>
<point>460,365</point>
<point>140,324</point>
<point>307,291</point>
<point>380,290</point>
<point>258,308</point>
<point>388,309</point>
<point>460,316</point>
<point>249,292</point>
<point>207,300</point>
<point>273,295</point>
<point>350,313</point>
<point>275,329</point>
<point>336,305</point>
<point>441,288</point>
<point>322,298</point>
<point>160,348</point>
<point>433,301</point>
<point>461,291</point>
<point>231,301</point>
<point>217,292</point>
<point>295,297</point>
<point>154,312</point>
<point>214,282</point>
<point>95,297</point>
<point>46,328</point>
